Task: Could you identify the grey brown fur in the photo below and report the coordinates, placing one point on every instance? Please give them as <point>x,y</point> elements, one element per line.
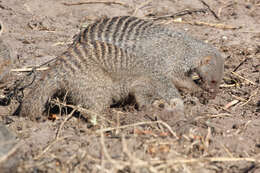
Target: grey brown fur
<point>5,58</point>
<point>115,57</point>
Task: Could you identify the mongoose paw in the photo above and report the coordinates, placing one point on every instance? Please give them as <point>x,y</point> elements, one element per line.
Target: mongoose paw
<point>175,105</point>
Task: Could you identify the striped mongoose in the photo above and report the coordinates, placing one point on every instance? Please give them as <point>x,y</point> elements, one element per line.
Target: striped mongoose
<point>113,58</point>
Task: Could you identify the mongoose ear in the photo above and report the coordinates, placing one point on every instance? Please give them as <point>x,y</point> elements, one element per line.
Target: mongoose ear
<point>205,60</point>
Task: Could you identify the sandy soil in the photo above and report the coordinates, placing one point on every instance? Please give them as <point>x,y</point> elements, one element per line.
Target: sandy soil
<point>222,135</point>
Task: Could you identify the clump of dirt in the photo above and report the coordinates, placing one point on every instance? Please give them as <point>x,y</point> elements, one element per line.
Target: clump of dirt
<point>222,135</point>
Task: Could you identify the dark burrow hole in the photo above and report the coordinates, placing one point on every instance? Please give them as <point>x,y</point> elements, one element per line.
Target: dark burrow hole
<point>129,101</point>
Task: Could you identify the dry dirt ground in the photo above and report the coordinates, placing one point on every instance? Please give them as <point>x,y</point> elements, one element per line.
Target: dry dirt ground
<point>222,135</point>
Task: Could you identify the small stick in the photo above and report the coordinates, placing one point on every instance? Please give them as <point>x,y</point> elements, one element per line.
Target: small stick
<point>142,5</point>
<point>227,86</point>
<point>11,152</point>
<point>239,98</point>
<point>29,69</point>
<point>221,8</point>
<point>97,2</point>
<point>234,73</point>
<point>249,99</point>
<point>232,103</point>
<point>215,25</point>
<point>108,157</point>
<point>49,146</point>
<point>227,150</point>
<point>142,123</point>
<point>214,14</point>
<point>181,13</point>
<point>63,123</point>
<point>80,109</point>
<point>240,64</point>
<point>209,159</point>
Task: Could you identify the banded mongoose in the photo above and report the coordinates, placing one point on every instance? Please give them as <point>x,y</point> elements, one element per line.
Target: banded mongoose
<point>113,58</point>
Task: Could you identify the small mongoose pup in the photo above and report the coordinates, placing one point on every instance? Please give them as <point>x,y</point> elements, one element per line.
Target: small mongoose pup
<point>114,58</point>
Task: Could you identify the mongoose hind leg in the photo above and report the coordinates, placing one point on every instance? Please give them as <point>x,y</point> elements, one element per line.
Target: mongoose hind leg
<point>36,101</point>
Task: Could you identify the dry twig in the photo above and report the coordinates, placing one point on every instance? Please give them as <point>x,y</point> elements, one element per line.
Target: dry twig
<point>29,69</point>
<point>11,152</point>
<point>214,14</point>
<point>97,2</point>
<point>56,140</point>
<point>80,109</point>
<point>63,122</point>
<point>181,13</point>
<point>215,25</point>
<point>249,81</point>
<point>118,165</point>
<point>230,104</point>
<point>209,159</point>
<point>141,123</point>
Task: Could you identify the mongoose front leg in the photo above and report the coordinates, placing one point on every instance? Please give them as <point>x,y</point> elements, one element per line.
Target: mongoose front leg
<point>170,94</point>
<point>187,84</point>
<point>149,91</point>
<point>144,91</point>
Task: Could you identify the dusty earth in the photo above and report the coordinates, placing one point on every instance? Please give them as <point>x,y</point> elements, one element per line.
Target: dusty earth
<point>222,135</point>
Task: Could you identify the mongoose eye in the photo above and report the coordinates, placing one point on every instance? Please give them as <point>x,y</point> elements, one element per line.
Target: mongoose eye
<point>198,80</point>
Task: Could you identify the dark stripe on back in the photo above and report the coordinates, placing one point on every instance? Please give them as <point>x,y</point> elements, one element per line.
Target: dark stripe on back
<point>127,59</point>
<point>108,29</point>
<point>92,32</point>
<point>67,66</point>
<point>130,30</point>
<point>140,30</point>
<point>126,25</point>
<point>101,28</point>
<point>79,55</point>
<point>109,55</point>
<point>133,34</point>
<point>85,48</point>
<point>118,29</point>
<point>114,55</point>
<point>103,48</point>
<point>73,60</point>
<point>94,51</point>
<point>85,33</point>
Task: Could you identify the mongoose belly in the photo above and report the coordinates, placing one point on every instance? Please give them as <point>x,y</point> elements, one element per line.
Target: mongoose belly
<point>119,56</point>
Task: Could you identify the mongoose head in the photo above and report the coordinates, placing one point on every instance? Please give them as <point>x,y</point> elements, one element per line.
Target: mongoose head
<point>210,72</point>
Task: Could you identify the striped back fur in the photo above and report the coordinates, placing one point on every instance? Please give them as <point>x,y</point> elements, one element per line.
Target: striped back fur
<point>109,43</point>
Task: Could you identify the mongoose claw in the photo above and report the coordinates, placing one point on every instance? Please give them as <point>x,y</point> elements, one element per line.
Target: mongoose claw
<point>175,104</point>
